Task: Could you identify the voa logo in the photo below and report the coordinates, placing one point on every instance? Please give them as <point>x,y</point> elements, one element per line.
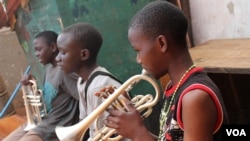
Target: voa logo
<point>236,132</point>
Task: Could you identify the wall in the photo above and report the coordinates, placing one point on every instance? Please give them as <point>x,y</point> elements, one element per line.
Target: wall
<point>12,63</point>
<point>219,19</point>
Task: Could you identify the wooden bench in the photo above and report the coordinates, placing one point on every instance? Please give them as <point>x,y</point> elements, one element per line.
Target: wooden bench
<point>223,56</point>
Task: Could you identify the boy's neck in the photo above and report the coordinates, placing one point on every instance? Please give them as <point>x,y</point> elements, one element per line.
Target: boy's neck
<point>179,66</point>
<point>53,59</point>
<point>86,71</point>
<point>54,63</point>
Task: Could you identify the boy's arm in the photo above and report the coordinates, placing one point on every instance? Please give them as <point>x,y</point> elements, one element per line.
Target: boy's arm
<point>199,116</point>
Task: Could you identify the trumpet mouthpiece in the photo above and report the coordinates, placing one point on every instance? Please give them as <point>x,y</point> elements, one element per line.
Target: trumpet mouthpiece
<point>144,72</point>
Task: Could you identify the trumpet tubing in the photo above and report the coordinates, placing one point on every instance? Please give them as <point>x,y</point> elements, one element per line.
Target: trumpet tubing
<point>30,123</point>
<point>33,102</point>
<point>77,131</point>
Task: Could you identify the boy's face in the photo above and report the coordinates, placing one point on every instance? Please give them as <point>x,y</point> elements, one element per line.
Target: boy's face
<point>148,52</point>
<point>43,51</point>
<point>69,56</point>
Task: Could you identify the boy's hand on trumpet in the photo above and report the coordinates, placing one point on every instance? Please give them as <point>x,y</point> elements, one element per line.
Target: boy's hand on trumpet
<point>106,91</point>
<point>25,80</point>
<point>121,121</point>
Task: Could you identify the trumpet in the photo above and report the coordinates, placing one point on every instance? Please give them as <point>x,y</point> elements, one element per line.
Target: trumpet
<point>140,102</point>
<point>34,105</point>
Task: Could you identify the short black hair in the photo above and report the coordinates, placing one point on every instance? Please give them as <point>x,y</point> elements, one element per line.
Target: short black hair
<point>87,36</point>
<point>161,18</point>
<point>48,36</point>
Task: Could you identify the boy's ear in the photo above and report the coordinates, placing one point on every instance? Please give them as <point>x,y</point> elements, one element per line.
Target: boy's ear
<point>84,54</point>
<point>53,46</point>
<point>162,42</point>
